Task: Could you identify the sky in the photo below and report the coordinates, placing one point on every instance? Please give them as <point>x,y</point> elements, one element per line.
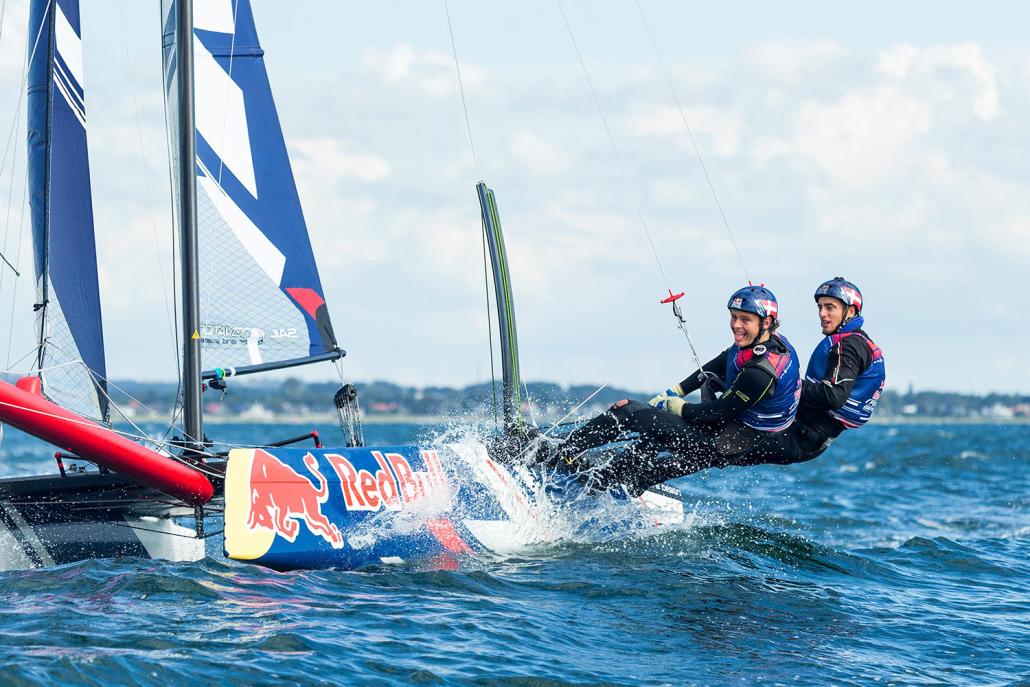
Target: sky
<point>885,142</point>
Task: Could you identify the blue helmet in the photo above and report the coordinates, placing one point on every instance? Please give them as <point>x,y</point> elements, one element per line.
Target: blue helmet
<point>754,299</point>
<point>843,290</point>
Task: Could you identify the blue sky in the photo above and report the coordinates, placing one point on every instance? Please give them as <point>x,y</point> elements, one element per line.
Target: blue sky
<point>885,142</point>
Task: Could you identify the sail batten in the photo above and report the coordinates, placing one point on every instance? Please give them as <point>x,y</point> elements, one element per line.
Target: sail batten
<point>261,299</point>
<point>68,318</point>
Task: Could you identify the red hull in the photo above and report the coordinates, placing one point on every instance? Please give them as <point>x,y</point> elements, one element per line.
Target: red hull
<point>23,407</point>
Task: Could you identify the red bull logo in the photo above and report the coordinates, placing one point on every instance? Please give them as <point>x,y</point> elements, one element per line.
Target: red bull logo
<point>393,483</point>
<point>281,498</point>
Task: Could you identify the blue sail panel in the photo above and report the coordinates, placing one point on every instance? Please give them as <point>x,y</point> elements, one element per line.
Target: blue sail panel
<point>261,299</point>
<point>69,329</point>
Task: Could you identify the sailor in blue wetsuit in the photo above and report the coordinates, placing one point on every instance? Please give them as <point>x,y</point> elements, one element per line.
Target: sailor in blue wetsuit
<point>844,379</point>
<point>759,377</point>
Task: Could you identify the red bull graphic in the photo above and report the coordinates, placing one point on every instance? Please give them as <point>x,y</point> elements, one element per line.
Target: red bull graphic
<point>281,498</point>
<point>289,508</point>
<point>393,483</point>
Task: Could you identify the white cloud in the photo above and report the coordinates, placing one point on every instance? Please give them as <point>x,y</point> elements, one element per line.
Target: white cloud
<point>326,161</point>
<point>791,61</point>
<point>719,127</point>
<point>431,71</point>
<point>935,68</point>
<point>860,138</point>
<point>538,155</point>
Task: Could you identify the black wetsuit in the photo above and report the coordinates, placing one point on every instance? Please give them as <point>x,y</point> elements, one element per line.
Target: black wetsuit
<point>813,429</point>
<point>707,434</point>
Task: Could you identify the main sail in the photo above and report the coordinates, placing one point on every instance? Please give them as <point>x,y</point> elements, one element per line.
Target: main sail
<point>69,331</point>
<point>261,300</point>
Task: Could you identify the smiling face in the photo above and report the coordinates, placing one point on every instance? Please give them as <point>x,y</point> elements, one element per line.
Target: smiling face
<point>744,326</point>
<point>831,313</point>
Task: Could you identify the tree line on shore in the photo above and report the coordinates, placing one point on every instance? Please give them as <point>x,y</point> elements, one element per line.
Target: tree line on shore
<point>293,396</point>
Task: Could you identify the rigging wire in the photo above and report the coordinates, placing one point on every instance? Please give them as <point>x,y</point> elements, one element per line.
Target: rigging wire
<point>461,90</point>
<point>14,290</point>
<point>21,224</point>
<point>610,381</point>
<point>681,321</point>
<point>611,139</point>
<point>146,175</point>
<point>693,141</point>
<point>177,405</point>
<point>228,85</point>
<point>10,190</point>
<point>24,79</point>
<point>475,165</point>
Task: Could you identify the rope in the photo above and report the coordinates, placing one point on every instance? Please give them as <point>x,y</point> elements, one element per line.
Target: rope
<point>529,403</point>
<point>10,135</point>
<point>24,78</point>
<point>461,90</point>
<point>10,197</point>
<point>14,290</point>
<point>604,386</point>
<point>693,142</point>
<point>611,139</point>
<point>475,165</point>
<point>225,106</point>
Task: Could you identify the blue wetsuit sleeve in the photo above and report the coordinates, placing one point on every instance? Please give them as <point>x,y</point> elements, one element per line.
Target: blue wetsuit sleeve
<point>848,359</point>
<point>751,386</point>
<point>716,366</point>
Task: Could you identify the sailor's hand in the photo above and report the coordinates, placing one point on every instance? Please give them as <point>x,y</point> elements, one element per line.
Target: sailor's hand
<point>676,390</point>
<point>670,404</point>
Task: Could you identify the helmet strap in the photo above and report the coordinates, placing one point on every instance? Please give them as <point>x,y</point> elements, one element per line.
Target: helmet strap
<point>844,318</point>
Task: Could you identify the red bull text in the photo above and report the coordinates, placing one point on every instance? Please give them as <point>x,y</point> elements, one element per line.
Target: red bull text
<point>281,498</point>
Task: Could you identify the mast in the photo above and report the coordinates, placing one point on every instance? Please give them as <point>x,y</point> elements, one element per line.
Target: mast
<point>512,382</point>
<point>193,420</point>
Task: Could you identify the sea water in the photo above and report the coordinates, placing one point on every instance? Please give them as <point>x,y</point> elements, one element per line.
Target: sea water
<point>900,557</point>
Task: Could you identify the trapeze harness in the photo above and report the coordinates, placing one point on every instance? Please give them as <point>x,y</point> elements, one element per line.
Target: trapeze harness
<point>774,413</point>
<point>868,387</point>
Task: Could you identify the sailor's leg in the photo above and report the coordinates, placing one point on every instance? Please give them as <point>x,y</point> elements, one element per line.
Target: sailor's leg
<point>669,447</point>
<point>615,424</point>
<point>796,444</point>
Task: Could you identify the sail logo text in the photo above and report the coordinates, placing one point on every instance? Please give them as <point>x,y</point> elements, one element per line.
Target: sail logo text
<point>393,484</point>
<point>223,333</point>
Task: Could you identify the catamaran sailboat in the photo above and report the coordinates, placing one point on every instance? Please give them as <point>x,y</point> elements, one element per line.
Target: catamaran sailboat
<point>251,302</point>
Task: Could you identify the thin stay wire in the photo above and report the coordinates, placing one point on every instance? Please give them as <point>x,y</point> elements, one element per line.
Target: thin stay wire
<point>228,86</point>
<point>611,139</point>
<point>461,90</point>
<point>24,79</point>
<point>475,165</point>
<point>693,141</point>
<point>681,321</point>
<point>14,290</point>
<point>146,179</point>
<point>610,381</point>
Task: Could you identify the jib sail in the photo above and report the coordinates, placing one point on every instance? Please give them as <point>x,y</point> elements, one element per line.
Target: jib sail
<point>70,334</point>
<point>261,300</point>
